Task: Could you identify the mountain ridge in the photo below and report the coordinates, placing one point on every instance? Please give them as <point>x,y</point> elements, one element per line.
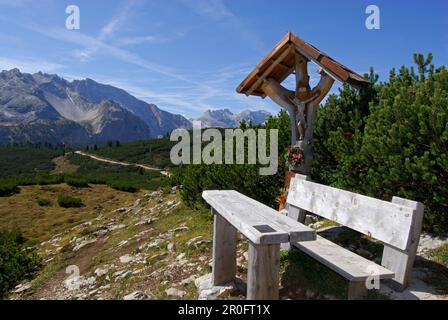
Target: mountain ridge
<point>43,107</point>
<point>33,107</point>
<point>224,118</point>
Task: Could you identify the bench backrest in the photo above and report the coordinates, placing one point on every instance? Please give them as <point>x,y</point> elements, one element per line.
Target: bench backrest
<point>388,222</point>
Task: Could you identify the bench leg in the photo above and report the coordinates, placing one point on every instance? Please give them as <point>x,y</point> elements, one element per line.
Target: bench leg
<point>263,272</point>
<point>224,251</point>
<point>357,290</point>
<point>402,261</point>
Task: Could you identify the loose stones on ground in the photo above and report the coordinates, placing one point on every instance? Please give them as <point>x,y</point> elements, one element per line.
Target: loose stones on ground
<point>173,292</point>
<point>137,295</point>
<point>206,291</point>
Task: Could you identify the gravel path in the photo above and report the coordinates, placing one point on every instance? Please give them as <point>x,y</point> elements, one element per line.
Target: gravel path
<point>165,173</point>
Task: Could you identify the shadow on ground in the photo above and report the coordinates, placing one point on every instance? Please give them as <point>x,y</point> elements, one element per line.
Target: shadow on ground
<point>303,277</point>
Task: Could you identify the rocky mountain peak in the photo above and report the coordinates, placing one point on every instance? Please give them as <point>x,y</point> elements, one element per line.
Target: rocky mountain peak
<point>225,118</point>
<point>102,111</point>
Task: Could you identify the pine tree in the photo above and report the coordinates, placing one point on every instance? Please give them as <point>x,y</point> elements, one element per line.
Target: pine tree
<point>423,64</point>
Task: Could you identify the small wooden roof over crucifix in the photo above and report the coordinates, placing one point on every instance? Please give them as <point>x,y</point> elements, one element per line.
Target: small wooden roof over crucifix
<point>281,62</point>
<point>291,56</point>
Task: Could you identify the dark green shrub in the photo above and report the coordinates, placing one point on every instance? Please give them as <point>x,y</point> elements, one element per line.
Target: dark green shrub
<point>396,147</point>
<point>48,179</point>
<point>69,202</point>
<point>122,186</point>
<point>76,182</point>
<point>43,202</point>
<point>16,262</point>
<point>244,178</point>
<point>8,188</point>
<point>27,159</point>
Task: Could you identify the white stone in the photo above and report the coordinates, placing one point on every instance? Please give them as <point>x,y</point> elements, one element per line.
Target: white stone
<point>122,243</point>
<point>123,274</point>
<point>187,281</point>
<point>83,244</point>
<point>101,233</point>
<point>76,283</point>
<point>22,287</point>
<point>100,272</point>
<point>126,258</point>
<point>204,282</point>
<point>180,229</point>
<point>116,227</point>
<point>137,295</point>
<point>190,242</point>
<point>170,203</point>
<point>428,242</point>
<point>181,256</point>
<point>173,292</point>
<point>153,244</point>
<point>215,292</point>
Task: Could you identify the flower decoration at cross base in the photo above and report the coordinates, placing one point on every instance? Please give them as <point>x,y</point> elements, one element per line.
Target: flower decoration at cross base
<point>281,199</point>
<point>294,157</point>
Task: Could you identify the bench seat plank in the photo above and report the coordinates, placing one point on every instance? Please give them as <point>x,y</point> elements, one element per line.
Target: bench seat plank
<point>348,264</point>
<point>256,221</point>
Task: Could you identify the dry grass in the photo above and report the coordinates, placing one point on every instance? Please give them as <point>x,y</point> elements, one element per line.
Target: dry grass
<point>60,226</point>
<point>39,223</point>
<point>63,166</point>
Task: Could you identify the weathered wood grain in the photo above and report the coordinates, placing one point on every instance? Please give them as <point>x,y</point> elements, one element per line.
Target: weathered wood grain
<point>274,64</point>
<point>263,272</point>
<point>348,264</point>
<point>256,221</point>
<point>382,220</point>
<point>401,261</point>
<point>224,251</point>
<point>294,212</point>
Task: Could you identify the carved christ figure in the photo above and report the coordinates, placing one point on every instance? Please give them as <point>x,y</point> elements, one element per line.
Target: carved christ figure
<point>302,103</point>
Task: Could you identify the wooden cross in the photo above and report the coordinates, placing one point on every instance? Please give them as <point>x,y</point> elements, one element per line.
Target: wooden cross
<point>291,55</point>
<point>301,106</point>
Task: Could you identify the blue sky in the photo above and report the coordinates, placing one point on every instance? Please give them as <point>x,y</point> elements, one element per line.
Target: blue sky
<point>187,56</point>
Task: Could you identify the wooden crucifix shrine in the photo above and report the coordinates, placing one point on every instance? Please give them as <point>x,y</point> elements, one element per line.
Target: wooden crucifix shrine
<point>291,56</point>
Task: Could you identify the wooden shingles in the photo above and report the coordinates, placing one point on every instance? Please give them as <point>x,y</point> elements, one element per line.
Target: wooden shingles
<point>278,65</point>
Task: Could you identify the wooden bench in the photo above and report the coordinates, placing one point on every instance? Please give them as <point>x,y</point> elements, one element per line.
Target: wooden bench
<point>397,224</point>
<point>265,229</point>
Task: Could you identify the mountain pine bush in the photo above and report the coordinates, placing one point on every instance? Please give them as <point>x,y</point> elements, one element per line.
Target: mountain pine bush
<point>395,147</point>
<point>69,202</point>
<point>8,188</point>
<point>244,178</point>
<point>17,263</point>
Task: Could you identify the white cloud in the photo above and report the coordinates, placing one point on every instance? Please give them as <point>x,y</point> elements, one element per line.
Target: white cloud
<point>107,31</point>
<point>194,92</point>
<point>129,41</point>
<point>29,65</point>
<point>217,11</point>
<point>147,39</point>
<point>83,40</point>
<point>214,9</point>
